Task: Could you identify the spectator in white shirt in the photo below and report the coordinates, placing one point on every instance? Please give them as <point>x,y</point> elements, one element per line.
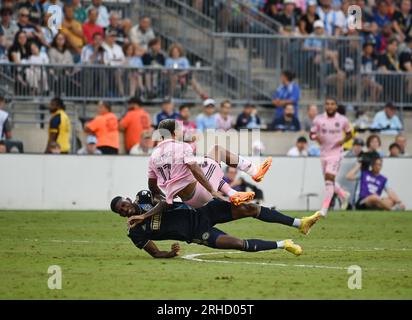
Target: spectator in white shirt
<point>114,57</point>
<point>103,13</point>
<point>400,140</point>
<point>300,149</point>
<point>333,20</point>
<point>142,33</point>
<point>387,121</point>
<point>224,120</point>
<point>94,53</point>
<point>36,74</point>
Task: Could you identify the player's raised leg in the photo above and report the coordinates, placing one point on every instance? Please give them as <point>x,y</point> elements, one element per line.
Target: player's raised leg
<point>225,241</point>
<point>257,172</point>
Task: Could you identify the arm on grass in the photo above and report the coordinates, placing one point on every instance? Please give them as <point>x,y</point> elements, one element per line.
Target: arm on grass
<point>154,251</point>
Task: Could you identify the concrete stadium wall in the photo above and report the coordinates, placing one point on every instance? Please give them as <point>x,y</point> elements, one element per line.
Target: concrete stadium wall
<point>55,182</point>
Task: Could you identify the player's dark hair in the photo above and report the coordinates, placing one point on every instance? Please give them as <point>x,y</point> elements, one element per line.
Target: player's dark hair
<point>114,202</point>
<point>167,128</point>
<point>59,103</point>
<point>331,98</point>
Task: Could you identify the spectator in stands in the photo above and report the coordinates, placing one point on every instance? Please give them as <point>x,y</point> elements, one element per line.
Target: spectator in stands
<point>288,121</point>
<point>271,8</point>
<point>155,58</point>
<point>59,127</point>
<point>288,18</point>
<point>134,123</point>
<point>94,53</point>
<point>394,150</point>
<point>35,10</point>
<point>145,147</point>
<point>3,148</point>
<point>207,119</point>
<point>307,20</point>
<point>387,121</point>
<point>332,19</point>
<point>356,149</point>
<point>389,60</point>
<point>373,144</point>
<point>116,26</point>
<point>80,13</point>
<point>114,57</point>
<point>90,28</point>
<point>405,62</point>
<point>168,112</point>
<point>369,65</point>
<point>5,124</point>
<point>135,76</point>
<point>371,185</point>
<point>288,92</point>
<point>142,33</point>
<point>8,27</point>
<point>19,50</point>
<point>59,52</point>
<point>300,149</point>
<point>181,77</point>
<point>248,119</point>
<point>90,148</point>
<point>311,113</point>
<point>402,20</point>
<point>381,14</point>
<point>73,30</point>
<point>32,32</point>
<point>103,13</point>
<point>400,140</point>
<point>224,120</point>
<point>189,127</point>
<point>106,129</point>
<point>36,76</point>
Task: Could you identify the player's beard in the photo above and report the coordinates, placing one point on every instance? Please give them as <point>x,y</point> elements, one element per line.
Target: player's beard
<point>331,115</point>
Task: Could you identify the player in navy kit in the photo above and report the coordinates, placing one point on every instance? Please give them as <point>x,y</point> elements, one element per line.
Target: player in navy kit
<point>181,222</point>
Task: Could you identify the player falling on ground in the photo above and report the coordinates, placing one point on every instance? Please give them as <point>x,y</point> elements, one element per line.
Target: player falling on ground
<point>174,168</point>
<point>178,221</point>
<point>328,129</point>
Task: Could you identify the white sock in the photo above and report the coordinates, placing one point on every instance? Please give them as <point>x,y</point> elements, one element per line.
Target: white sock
<point>247,166</point>
<point>296,223</point>
<point>281,244</point>
<point>324,212</point>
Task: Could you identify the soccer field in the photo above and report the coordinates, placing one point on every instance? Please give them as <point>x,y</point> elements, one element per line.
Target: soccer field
<point>98,261</point>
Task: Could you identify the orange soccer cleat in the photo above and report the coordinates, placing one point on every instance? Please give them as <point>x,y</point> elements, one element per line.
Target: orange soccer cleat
<point>264,167</point>
<point>241,197</point>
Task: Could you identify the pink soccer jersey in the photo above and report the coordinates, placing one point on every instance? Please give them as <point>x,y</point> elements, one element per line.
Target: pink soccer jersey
<point>168,164</point>
<point>330,131</point>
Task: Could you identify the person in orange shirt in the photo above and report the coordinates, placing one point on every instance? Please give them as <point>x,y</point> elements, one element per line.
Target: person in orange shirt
<point>106,129</point>
<point>134,123</point>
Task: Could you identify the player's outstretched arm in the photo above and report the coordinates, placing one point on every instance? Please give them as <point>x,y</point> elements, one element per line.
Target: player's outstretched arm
<point>199,176</point>
<point>154,251</point>
<point>159,208</point>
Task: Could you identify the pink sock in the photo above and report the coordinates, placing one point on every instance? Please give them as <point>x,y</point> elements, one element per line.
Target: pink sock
<point>225,188</point>
<point>339,191</point>
<point>329,191</point>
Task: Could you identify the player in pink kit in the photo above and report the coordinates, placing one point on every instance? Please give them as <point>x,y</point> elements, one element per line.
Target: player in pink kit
<point>174,168</point>
<point>328,129</point>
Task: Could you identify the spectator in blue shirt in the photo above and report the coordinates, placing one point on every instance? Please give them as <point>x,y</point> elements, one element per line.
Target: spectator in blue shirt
<point>287,92</point>
<point>248,119</point>
<point>167,112</point>
<point>387,121</point>
<point>381,15</point>
<point>288,121</point>
<point>207,119</point>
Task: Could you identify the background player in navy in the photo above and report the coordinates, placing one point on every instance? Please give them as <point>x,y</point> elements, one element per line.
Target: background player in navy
<point>180,222</point>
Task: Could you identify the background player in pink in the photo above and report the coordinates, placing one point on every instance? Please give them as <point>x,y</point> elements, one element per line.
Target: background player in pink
<point>328,129</point>
<point>174,168</point>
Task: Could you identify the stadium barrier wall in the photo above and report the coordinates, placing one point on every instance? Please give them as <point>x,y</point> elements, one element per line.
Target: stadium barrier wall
<point>53,182</point>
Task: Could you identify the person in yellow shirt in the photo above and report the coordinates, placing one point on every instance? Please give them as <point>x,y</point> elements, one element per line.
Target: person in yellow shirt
<point>59,127</point>
<point>73,30</point>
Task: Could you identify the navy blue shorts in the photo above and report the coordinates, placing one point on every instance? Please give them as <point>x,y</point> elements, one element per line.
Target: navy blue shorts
<point>214,212</point>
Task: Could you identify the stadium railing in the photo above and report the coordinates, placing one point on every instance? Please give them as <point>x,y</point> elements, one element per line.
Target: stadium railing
<point>99,82</point>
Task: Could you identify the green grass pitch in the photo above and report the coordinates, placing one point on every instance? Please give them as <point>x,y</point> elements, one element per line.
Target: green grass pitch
<point>98,261</point>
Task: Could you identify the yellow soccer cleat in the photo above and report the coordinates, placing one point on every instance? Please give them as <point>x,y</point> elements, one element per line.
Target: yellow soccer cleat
<point>308,222</point>
<point>264,167</point>
<point>292,247</point>
<point>241,197</point>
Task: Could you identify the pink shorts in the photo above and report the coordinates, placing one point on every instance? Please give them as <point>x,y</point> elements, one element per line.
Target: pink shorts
<point>331,165</point>
<point>214,173</point>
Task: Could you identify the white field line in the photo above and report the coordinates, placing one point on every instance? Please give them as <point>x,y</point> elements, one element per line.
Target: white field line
<point>195,257</point>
